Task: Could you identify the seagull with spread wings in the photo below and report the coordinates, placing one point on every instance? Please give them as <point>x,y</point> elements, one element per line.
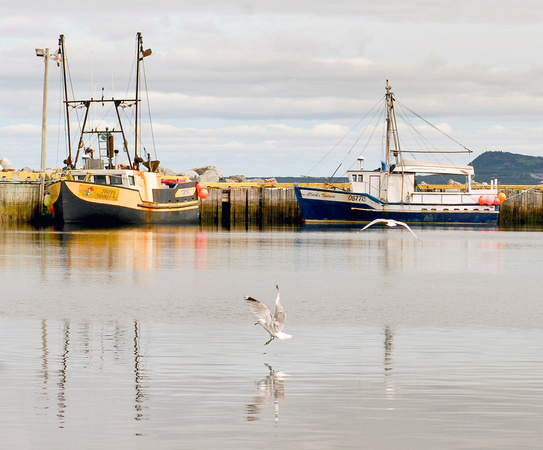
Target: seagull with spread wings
<point>390,223</point>
<point>272,324</point>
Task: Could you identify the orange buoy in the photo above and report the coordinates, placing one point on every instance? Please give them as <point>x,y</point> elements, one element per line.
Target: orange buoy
<point>199,186</point>
<point>497,200</point>
<point>502,196</point>
<point>203,193</point>
<point>489,200</point>
<point>482,200</point>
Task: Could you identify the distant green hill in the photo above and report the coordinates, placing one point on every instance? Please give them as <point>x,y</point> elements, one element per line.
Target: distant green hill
<point>508,168</point>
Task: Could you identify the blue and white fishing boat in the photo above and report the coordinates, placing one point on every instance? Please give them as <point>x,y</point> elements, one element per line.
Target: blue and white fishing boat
<point>393,191</point>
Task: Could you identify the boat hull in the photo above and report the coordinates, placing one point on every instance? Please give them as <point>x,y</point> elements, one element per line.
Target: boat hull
<point>88,203</point>
<point>326,205</point>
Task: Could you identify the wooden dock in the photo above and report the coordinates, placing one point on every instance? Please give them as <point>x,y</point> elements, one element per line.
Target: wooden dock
<point>523,206</point>
<point>250,204</point>
<point>231,205</point>
<point>21,201</point>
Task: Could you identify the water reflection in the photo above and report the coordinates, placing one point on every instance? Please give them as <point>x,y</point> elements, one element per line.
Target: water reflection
<point>138,375</point>
<point>273,386</point>
<point>143,335</point>
<point>140,248</point>
<point>84,350</point>
<point>171,385</point>
<point>61,395</point>
<point>389,345</point>
<point>389,336</point>
<point>73,249</point>
<point>128,248</point>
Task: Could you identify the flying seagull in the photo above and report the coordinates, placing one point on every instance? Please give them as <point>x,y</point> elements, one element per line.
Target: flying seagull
<point>390,223</point>
<point>272,324</point>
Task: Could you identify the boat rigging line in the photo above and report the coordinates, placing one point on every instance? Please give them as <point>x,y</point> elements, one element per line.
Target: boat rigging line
<point>379,103</point>
<point>424,143</point>
<point>437,129</point>
<point>524,191</point>
<point>148,109</point>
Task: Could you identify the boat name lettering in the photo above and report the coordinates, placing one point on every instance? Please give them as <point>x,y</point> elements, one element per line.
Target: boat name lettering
<point>324,195</point>
<point>99,192</point>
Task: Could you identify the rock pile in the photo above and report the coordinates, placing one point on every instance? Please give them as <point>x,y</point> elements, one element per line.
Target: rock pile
<point>5,164</point>
<point>207,174</point>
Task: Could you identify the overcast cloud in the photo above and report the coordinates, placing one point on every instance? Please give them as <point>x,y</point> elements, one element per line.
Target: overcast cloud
<point>268,88</point>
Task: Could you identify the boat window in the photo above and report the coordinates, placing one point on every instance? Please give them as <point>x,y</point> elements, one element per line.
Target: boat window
<point>131,180</point>
<point>100,179</point>
<point>79,177</point>
<point>115,179</point>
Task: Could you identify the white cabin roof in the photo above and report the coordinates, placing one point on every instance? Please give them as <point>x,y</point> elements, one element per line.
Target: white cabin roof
<point>421,166</point>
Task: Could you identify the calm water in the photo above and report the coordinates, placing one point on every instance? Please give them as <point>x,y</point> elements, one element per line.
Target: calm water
<point>140,338</point>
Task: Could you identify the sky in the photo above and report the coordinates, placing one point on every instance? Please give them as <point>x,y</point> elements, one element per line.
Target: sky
<point>278,88</point>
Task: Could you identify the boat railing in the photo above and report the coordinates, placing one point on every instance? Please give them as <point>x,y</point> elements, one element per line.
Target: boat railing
<point>441,187</point>
<point>444,197</point>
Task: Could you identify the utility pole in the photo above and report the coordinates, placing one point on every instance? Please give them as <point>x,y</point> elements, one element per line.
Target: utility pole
<point>45,55</point>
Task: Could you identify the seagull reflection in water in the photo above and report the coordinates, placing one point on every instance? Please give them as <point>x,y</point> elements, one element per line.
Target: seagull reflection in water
<point>271,386</point>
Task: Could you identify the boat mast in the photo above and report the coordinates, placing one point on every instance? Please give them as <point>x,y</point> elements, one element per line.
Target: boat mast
<point>392,149</point>
<point>139,48</point>
<point>388,97</point>
<point>118,103</point>
<point>141,54</point>
<point>392,141</point>
<point>68,160</point>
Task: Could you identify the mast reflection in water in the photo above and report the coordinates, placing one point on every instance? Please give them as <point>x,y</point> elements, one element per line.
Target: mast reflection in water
<point>140,338</point>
